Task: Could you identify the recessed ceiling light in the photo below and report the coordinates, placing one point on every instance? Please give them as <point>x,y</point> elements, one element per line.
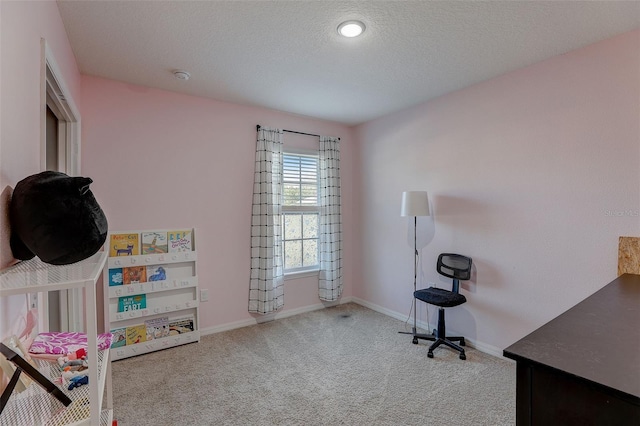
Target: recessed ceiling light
<point>351,28</point>
<point>181,75</point>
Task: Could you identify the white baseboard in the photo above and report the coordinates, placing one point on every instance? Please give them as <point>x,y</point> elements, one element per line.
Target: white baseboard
<point>270,317</point>
<point>482,347</point>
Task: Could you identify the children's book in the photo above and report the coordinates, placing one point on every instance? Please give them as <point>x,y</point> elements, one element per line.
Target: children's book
<point>181,325</point>
<point>156,273</point>
<point>136,334</point>
<point>115,277</point>
<point>119,337</point>
<point>134,274</point>
<point>154,242</point>
<point>124,245</point>
<point>132,303</point>
<point>157,328</point>
<point>180,241</point>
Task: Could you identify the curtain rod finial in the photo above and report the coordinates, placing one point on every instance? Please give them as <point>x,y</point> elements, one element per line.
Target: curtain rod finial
<point>257,127</point>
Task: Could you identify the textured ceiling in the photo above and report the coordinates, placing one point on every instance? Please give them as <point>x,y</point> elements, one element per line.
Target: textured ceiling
<point>287,55</point>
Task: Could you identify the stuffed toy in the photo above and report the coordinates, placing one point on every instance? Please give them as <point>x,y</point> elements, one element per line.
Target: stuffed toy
<point>55,217</point>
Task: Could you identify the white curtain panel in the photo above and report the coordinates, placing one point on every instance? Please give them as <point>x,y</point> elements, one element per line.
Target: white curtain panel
<point>330,277</point>
<point>266,288</point>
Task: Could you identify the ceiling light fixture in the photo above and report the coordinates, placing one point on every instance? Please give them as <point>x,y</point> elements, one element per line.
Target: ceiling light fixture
<point>351,28</point>
<point>181,75</point>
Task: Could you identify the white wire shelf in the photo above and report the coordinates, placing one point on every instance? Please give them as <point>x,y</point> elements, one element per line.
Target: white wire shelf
<point>34,406</point>
<point>34,275</point>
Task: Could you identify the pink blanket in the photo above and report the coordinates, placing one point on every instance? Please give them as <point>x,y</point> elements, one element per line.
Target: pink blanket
<point>63,343</point>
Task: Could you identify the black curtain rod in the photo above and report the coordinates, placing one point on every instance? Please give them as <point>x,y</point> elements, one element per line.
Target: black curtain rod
<point>293,131</point>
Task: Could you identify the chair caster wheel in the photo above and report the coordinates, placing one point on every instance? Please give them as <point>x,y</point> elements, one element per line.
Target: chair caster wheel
<point>462,343</point>
<point>415,341</point>
<point>430,354</point>
<point>463,357</point>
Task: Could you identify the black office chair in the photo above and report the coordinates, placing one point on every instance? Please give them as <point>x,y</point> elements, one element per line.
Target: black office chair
<point>453,266</point>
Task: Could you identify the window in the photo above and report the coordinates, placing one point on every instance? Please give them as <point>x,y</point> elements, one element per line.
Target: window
<point>300,212</point>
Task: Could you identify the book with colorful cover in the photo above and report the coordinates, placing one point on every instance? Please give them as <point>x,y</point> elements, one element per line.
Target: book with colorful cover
<point>119,337</point>
<point>115,277</point>
<point>134,274</point>
<point>132,303</point>
<point>157,328</point>
<point>124,245</point>
<point>154,242</point>
<point>156,273</point>
<point>136,334</point>
<point>180,241</point>
<point>181,325</point>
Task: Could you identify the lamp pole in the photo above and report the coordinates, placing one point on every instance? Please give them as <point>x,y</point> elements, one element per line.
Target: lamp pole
<point>415,270</point>
<point>414,203</point>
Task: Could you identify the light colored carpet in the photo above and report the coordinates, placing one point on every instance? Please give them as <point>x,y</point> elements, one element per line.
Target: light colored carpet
<point>345,365</point>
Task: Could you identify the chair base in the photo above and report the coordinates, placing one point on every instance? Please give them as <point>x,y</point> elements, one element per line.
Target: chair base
<point>439,337</point>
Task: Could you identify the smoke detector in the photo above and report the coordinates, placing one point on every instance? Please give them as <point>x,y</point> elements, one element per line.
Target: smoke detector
<point>181,75</point>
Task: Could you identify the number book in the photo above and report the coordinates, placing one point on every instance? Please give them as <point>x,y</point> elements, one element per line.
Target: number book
<point>115,277</point>
<point>154,242</point>
<point>119,337</point>
<point>132,303</point>
<point>124,245</point>
<point>134,274</point>
<point>157,328</point>
<point>180,325</point>
<point>180,241</point>
<point>136,334</point>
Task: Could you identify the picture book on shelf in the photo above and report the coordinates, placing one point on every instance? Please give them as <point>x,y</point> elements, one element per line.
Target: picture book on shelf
<point>154,242</point>
<point>157,328</point>
<point>115,277</point>
<point>132,303</point>
<point>134,274</point>
<point>181,325</point>
<point>180,241</point>
<point>124,245</point>
<point>119,337</point>
<point>156,273</point>
<point>136,334</point>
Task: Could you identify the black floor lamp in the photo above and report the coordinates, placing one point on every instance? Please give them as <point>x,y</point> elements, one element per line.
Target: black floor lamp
<point>414,203</point>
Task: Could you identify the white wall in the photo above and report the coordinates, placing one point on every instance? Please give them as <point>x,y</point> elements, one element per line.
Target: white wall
<point>534,175</point>
<point>165,160</point>
<point>22,26</point>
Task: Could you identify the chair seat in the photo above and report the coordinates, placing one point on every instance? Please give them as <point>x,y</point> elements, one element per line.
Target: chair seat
<point>440,297</point>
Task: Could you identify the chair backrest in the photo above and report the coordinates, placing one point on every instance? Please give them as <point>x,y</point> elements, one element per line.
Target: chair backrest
<point>454,266</point>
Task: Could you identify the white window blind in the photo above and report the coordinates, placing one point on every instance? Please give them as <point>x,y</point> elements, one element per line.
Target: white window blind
<point>300,212</point>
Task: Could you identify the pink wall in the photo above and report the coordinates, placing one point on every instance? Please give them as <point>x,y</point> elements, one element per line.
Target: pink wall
<point>164,160</point>
<point>533,174</point>
<point>22,25</point>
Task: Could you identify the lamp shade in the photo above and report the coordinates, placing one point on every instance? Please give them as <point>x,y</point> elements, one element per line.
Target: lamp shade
<point>415,203</point>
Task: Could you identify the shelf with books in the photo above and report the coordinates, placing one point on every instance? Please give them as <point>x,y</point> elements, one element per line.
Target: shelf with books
<point>34,405</point>
<point>150,276</point>
<point>152,287</point>
<point>140,313</point>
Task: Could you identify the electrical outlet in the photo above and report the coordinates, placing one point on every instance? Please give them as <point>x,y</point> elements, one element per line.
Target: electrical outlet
<point>204,295</point>
<point>33,300</point>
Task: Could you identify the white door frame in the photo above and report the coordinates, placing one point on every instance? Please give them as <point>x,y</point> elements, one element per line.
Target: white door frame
<point>55,94</point>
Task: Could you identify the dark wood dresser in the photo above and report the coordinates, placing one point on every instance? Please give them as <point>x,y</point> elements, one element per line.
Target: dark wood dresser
<point>583,367</point>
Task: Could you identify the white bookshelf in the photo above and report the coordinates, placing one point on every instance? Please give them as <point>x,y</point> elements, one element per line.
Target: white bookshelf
<point>35,405</point>
<point>174,297</point>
